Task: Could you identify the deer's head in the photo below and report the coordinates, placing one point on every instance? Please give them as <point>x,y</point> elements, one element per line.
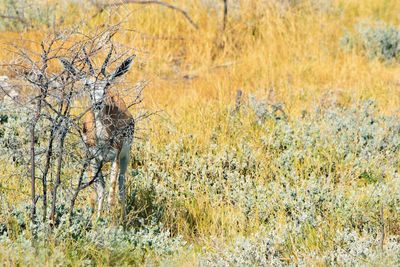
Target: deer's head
<point>97,84</point>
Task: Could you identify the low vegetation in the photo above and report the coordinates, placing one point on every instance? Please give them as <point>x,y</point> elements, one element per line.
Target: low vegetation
<point>274,141</point>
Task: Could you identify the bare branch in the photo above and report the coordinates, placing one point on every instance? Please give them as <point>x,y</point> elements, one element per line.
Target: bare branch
<point>18,18</point>
<point>88,62</point>
<point>225,14</point>
<point>150,2</point>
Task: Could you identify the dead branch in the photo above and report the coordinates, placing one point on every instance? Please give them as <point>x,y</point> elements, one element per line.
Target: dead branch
<point>58,175</point>
<point>382,224</point>
<point>225,14</point>
<point>102,7</point>
<point>78,189</point>
<point>17,18</point>
<point>49,154</point>
<point>239,94</point>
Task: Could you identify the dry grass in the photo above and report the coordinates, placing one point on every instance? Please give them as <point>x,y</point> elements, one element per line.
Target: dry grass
<point>295,52</point>
<point>287,55</point>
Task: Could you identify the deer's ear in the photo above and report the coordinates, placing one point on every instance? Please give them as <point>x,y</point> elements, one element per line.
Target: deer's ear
<point>122,69</point>
<point>68,66</point>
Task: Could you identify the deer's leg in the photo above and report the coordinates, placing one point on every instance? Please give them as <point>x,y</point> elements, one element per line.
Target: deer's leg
<point>113,183</point>
<point>93,193</point>
<point>123,166</point>
<point>100,190</point>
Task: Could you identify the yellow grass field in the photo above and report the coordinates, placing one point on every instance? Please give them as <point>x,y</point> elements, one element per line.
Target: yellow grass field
<point>221,179</point>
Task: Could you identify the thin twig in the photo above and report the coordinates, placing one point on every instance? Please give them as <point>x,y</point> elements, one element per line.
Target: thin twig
<point>382,225</point>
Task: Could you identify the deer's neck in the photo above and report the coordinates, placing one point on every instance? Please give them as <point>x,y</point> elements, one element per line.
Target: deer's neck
<point>100,127</point>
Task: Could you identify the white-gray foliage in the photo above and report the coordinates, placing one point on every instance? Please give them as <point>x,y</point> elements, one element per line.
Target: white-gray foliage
<point>377,40</point>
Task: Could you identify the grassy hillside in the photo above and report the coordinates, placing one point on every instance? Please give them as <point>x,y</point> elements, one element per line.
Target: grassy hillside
<point>306,172</point>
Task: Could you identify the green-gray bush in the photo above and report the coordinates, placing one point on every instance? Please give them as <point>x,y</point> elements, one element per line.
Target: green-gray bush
<point>326,177</point>
<point>378,40</point>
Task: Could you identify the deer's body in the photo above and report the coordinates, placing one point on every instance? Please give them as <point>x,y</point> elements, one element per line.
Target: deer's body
<point>108,130</point>
<point>113,117</point>
<point>109,133</point>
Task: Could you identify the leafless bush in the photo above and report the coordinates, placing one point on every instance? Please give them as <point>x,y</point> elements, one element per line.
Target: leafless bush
<point>51,110</point>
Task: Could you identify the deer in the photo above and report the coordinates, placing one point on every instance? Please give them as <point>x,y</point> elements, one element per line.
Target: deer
<point>108,128</point>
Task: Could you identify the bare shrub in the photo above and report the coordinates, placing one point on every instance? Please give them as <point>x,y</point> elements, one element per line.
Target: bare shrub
<point>46,126</point>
